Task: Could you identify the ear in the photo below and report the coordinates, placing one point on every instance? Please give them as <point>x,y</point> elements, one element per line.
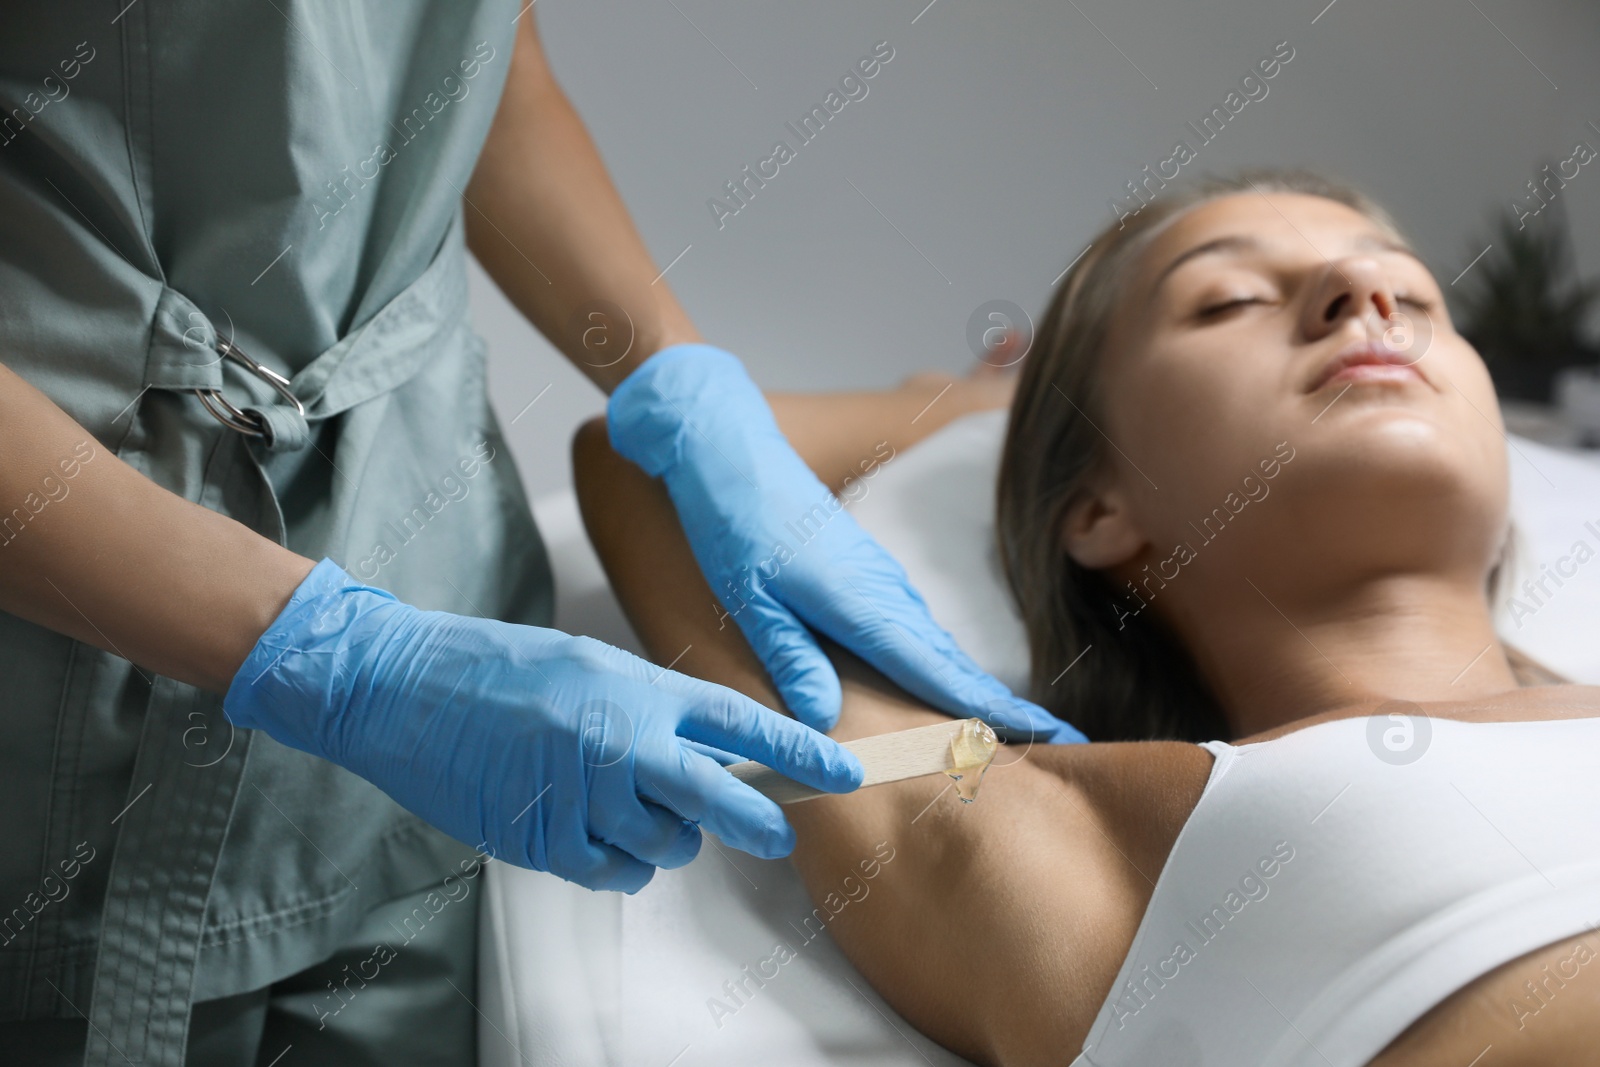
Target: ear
<point>1098,531</point>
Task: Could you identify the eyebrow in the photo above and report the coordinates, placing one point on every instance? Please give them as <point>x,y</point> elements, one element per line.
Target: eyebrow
<point>1232,243</point>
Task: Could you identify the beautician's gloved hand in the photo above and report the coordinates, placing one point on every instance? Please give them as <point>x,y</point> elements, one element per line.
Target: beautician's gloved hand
<point>554,752</point>
<point>782,555</point>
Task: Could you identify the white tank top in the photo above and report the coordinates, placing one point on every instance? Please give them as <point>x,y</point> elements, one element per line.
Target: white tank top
<point>1334,884</point>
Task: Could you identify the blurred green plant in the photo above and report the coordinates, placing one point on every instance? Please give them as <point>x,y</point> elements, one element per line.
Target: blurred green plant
<point>1525,309</point>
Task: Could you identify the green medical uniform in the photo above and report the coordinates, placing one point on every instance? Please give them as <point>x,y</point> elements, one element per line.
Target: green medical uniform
<point>180,181</point>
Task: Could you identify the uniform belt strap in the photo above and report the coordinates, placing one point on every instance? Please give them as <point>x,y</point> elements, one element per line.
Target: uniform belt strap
<point>170,838</point>
<point>186,779</point>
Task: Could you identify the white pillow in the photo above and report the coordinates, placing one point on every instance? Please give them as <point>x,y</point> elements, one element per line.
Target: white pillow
<point>932,508</point>
<point>1555,507</point>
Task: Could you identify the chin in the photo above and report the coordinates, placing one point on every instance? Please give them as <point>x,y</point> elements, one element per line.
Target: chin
<point>1404,436</point>
<point>1403,483</point>
<point>1398,436</point>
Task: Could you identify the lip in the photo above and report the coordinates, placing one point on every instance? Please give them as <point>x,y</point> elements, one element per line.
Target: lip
<point>1367,361</point>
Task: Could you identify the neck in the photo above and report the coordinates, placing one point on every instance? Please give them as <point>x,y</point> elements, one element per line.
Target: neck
<point>1410,637</point>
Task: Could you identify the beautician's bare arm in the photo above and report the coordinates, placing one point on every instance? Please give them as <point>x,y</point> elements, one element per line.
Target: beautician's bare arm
<point>996,928</point>
<point>547,224</point>
<point>106,556</point>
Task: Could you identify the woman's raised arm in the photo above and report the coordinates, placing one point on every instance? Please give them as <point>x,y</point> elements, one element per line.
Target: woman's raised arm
<point>996,928</point>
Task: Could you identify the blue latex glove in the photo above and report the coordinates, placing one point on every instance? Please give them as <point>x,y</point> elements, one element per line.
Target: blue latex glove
<point>554,752</point>
<point>782,555</point>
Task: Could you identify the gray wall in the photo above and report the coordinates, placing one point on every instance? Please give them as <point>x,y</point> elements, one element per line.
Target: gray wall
<point>987,151</point>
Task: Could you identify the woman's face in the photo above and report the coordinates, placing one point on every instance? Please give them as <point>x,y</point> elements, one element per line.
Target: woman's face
<point>1287,397</point>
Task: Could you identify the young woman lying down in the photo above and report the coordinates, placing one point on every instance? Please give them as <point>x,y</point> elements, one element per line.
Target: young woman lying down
<point>1397,859</point>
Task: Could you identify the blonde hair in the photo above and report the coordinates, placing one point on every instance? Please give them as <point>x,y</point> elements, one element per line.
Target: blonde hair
<point>1138,682</point>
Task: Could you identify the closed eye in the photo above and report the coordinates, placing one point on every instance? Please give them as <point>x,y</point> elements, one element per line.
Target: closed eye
<point>1216,309</point>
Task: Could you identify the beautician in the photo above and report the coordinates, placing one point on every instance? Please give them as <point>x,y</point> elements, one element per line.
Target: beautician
<point>233,323</point>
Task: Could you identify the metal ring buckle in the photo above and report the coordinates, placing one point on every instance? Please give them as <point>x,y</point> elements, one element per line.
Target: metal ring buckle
<point>223,410</point>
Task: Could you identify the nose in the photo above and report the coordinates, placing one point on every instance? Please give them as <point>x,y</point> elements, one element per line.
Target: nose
<point>1354,287</point>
